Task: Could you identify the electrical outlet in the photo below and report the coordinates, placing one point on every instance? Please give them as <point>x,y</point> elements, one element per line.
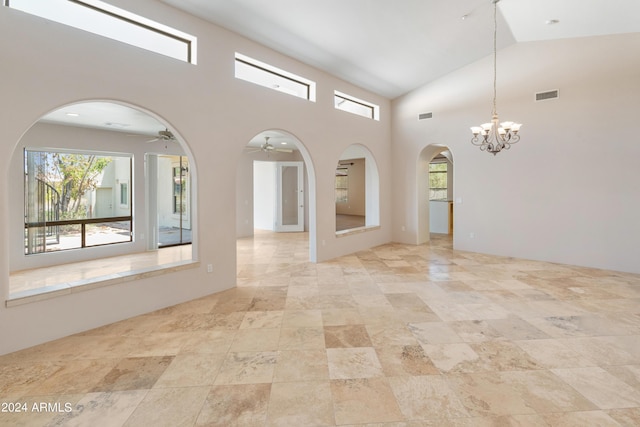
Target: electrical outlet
<point>209,268</point>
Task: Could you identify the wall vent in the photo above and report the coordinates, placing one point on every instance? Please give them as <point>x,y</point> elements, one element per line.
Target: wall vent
<point>550,94</point>
<point>425,116</point>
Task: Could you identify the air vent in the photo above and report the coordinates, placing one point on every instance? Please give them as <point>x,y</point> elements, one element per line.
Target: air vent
<point>425,116</point>
<point>551,94</point>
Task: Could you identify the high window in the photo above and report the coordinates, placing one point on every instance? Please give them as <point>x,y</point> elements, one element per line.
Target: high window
<point>356,106</point>
<point>71,200</point>
<point>266,75</point>
<point>103,19</point>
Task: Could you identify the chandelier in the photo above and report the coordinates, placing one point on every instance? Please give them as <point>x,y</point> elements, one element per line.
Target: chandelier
<point>493,137</point>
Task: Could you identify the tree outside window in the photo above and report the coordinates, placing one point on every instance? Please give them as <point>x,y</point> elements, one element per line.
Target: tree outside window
<point>70,201</point>
<point>438,181</point>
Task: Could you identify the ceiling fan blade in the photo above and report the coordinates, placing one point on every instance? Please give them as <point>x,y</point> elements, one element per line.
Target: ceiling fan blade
<point>153,140</point>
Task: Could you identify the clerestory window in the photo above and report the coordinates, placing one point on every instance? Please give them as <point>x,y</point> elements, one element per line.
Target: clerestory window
<point>105,20</point>
<point>356,106</point>
<point>266,75</point>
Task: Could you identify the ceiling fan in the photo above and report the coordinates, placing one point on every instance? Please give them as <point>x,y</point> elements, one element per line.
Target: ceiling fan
<point>269,148</point>
<point>164,135</point>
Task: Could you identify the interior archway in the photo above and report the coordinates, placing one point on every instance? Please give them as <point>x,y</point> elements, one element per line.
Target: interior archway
<point>275,146</point>
<point>361,192</point>
<point>424,159</point>
<point>112,214</point>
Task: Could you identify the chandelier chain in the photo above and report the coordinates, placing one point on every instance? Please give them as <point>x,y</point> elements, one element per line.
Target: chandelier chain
<point>495,55</point>
<point>494,136</point>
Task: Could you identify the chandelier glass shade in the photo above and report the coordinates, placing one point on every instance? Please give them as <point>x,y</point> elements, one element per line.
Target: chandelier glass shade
<point>494,136</point>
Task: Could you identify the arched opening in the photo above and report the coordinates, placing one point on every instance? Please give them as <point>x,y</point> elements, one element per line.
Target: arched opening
<point>435,205</point>
<point>357,190</point>
<point>275,189</point>
<point>93,191</point>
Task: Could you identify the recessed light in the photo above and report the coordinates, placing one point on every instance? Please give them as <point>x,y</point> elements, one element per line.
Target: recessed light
<point>283,143</point>
<point>552,21</point>
<point>116,125</point>
<point>73,114</point>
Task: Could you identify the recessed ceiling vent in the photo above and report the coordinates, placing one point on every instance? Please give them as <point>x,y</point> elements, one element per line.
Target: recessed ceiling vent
<point>425,116</point>
<point>543,96</point>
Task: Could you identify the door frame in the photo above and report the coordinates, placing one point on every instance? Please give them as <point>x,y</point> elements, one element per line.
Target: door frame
<point>299,226</point>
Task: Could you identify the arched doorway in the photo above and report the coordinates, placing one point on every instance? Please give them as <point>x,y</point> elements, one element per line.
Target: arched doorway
<point>440,208</point>
<point>275,150</point>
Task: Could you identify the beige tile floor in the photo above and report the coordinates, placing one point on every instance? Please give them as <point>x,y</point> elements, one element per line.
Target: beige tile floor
<point>393,336</point>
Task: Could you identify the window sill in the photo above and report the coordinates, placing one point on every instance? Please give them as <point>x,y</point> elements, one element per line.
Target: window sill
<point>357,230</point>
<point>54,291</point>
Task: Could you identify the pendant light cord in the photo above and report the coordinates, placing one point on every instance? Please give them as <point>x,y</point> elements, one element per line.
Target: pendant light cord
<point>495,53</point>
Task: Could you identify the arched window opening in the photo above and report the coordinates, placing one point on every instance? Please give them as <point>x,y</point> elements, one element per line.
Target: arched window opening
<point>102,181</point>
<point>357,190</point>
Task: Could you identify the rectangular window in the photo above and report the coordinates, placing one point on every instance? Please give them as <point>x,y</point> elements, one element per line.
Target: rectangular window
<point>105,20</point>
<point>357,106</point>
<point>70,201</point>
<point>438,180</point>
<point>342,185</point>
<point>124,194</point>
<point>266,75</point>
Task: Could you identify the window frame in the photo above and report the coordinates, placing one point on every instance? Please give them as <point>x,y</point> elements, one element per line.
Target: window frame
<point>126,202</point>
<point>444,172</point>
<point>83,223</point>
<point>271,71</point>
<point>119,15</point>
<point>374,110</point>
<point>342,188</point>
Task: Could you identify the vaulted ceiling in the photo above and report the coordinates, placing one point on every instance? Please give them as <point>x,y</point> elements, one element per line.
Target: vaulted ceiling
<point>388,47</point>
<point>392,47</point>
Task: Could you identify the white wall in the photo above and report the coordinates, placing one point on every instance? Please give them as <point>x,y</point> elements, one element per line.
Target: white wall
<point>264,195</point>
<point>439,217</point>
<point>206,107</point>
<point>567,192</point>
<point>122,170</point>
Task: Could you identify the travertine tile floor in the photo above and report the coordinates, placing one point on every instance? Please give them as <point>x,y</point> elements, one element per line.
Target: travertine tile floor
<point>394,336</point>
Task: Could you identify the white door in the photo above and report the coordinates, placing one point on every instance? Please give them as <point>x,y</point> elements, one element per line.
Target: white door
<point>290,197</point>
